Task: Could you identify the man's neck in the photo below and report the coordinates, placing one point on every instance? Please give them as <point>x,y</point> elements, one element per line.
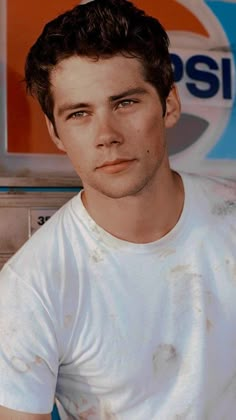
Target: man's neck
<point>143,218</point>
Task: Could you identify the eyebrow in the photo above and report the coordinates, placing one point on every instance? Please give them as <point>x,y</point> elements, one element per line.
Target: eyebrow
<point>133,91</point>
<point>72,106</point>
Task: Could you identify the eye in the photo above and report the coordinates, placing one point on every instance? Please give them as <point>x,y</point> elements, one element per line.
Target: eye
<point>125,103</point>
<point>77,115</point>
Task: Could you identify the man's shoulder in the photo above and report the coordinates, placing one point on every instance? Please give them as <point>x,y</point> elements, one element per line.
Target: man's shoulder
<point>213,186</point>
<point>214,195</point>
<point>48,260</point>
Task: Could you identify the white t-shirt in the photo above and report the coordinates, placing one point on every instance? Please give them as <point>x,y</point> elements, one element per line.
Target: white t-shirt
<point>124,331</point>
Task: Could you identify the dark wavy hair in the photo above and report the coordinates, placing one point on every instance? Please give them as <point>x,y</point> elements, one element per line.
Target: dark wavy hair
<point>99,29</point>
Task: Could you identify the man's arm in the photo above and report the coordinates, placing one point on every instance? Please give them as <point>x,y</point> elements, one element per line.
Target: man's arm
<point>7,414</point>
<point>28,350</point>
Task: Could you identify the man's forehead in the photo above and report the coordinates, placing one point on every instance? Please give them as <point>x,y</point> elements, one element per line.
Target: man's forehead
<point>92,67</point>
<point>79,79</point>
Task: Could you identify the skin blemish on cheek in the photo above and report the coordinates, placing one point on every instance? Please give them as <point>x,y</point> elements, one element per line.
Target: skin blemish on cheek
<point>148,151</point>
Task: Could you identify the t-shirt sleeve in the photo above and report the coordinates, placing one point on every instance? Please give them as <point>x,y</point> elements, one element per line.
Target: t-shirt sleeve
<point>28,347</point>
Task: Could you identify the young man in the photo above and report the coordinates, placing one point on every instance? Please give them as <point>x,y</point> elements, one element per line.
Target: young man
<point>123,305</point>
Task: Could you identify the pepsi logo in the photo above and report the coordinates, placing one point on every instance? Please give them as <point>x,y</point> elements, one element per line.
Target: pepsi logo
<point>204,67</point>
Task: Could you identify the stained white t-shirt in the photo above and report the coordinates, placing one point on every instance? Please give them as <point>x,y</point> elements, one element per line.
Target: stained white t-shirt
<point>124,331</point>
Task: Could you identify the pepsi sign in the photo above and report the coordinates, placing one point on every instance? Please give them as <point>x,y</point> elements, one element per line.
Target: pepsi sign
<point>204,59</point>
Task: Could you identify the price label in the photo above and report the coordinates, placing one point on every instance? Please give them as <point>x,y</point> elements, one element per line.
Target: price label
<point>38,217</point>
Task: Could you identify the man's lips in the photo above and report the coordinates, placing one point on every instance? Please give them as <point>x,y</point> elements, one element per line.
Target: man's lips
<point>115,166</point>
<point>114,162</point>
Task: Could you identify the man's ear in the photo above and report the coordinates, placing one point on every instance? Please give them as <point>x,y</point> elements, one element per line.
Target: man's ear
<point>173,108</point>
<point>53,135</point>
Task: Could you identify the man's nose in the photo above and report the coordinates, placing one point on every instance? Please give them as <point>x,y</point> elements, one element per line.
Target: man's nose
<point>108,131</point>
